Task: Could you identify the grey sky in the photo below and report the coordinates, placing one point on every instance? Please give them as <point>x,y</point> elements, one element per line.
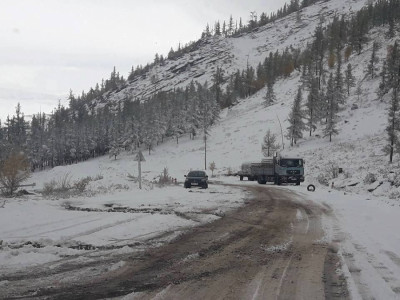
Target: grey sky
<point>51,46</point>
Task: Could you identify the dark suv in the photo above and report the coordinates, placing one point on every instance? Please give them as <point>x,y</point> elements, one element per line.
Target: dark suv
<point>198,178</point>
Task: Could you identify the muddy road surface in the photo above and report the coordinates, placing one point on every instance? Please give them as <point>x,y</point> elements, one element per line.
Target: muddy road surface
<point>270,248</point>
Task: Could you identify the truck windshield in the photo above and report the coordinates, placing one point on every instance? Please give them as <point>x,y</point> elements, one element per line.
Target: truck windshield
<point>291,163</point>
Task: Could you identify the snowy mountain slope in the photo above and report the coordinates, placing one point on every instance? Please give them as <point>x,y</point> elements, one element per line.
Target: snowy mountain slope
<point>362,224</point>
<point>232,54</point>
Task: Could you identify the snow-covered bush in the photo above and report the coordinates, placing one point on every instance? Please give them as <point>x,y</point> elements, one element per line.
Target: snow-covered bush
<point>393,177</point>
<point>323,179</point>
<point>396,179</point>
<point>346,175</point>
<point>329,171</point>
<point>229,171</point>
<point>64,183</point>
<point>63,188</point>
<point>346,147</point>
<point>81,184</point>
<point>115,187</point>
<point>332,169</point>
<point>369,178</point>
<point>165,179</point>
<point>49,188</point>
<point>395,194</point>
<point>98,177</point>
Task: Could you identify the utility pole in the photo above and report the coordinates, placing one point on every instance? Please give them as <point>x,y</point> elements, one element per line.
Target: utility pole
<point>139,158</point>
<point>205,150</point>
<point>140,174</point>
<point>283,145</point>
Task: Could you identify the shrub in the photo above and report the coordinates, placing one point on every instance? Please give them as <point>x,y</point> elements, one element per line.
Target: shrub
<point>322,179</point>
<point>394,195</point>
<point>80,185</point>
<point>63,187</point>
<point>13,171</point>
<point>49,188</point>
<point>332,170</point>
<point>164,178</point>
<point>98,177</point>
<point>394,179</point>
<point>369,178</point>
<point>229,171</point>
<point>64,183</point>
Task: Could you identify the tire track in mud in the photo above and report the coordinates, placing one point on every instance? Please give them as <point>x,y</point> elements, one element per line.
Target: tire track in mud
<point>258,251</point>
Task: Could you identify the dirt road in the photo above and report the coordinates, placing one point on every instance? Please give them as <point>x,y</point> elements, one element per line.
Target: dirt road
<point>271,248</point>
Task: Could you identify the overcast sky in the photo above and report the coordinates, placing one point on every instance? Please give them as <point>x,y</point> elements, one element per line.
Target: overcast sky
<point>48,47</point>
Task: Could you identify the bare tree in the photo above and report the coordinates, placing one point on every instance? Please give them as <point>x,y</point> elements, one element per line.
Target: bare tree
<point>212,168</point>
<point>269,145</point>
<point>13,172</point>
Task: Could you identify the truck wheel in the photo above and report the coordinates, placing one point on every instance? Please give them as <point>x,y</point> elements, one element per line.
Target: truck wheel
<point>187,185</point>
<point>298,182</point>
<point>278,181</point>
<point>241,178</point>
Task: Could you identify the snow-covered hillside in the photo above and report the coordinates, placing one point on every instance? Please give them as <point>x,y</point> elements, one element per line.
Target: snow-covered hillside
<point>364,212</point>
<point>235,53</point>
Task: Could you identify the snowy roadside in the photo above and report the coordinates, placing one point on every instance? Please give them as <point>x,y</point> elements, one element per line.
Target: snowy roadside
<point>363,228</point>
<point>34,230</point>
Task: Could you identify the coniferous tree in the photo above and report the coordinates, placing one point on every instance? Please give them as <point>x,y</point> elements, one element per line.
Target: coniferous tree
<point>248,79</point>
<point>332,109</point>
<point>253,20</point>
<point>339,81</point>
<point>37,138</point>
<point>230,26</point>
<point>393,65</point>
<point>318,51</point>
<point>383,84</point>
<point>115,149</point>
<point>270,96</point>
<point>16,129</point>
<point>393,124</point>
<point>207,31</point>
<point>263,19</point>
<point>296,122</point>
<point>359,91</point>
<point>313,105</point>
<point>349,78</point>
<point>193,115</point>
<point>217,80</point>
<point>217,29</point>
<point>371,68</point>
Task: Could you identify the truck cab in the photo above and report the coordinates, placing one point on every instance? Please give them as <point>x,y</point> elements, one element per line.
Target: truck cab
<point>289,170</point>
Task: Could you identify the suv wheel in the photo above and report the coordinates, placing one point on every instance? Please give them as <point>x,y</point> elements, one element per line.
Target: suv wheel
<point>187,185</point>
